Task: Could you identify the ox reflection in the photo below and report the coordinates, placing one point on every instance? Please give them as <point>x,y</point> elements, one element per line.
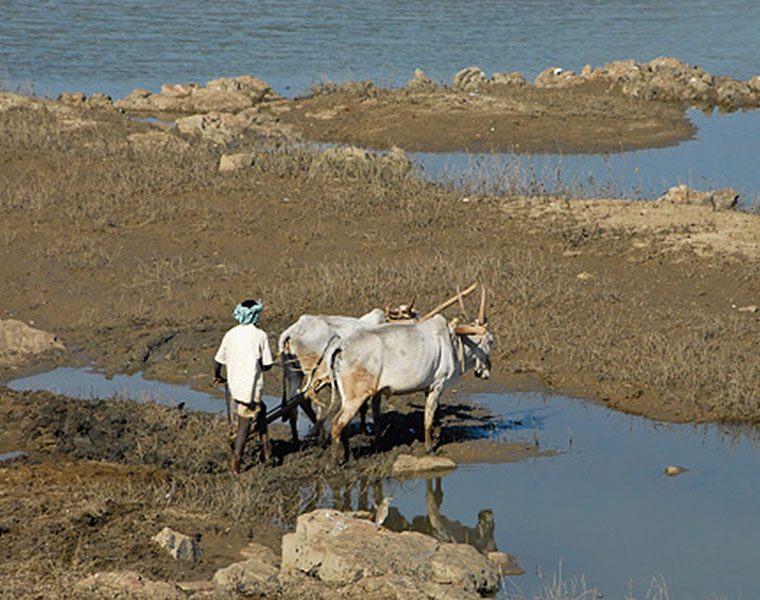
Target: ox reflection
<point>345,497</point>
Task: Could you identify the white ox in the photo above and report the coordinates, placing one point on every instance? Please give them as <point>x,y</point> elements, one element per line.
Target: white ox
<point>302,349</point>
<point>404,358</point>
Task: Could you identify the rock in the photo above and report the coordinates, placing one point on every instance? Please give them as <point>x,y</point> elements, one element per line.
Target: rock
<point>463,567</point>
<point>469,79</point>
<point>217,127</point>
<point>261,553</point>
<point>555,77</point>
<point>508,79</point>
<point>225,94</point>
<point>179,545</point>
<point>505,563</point>
<point>406,464</point>
<point>727,199</point>
<point>402,588</point>
<point>754,84</point>
<point>129,584</point>
<point>341,550</point>
<point>18,340</point>
<point>421,82</point>
<point>97,100</point>
<point>672,471</point>
<point>751,308</point>
<point>234,162</point>
<point>249,576</point>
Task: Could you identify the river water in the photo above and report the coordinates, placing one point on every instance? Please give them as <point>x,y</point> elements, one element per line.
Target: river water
<point>602,506</point>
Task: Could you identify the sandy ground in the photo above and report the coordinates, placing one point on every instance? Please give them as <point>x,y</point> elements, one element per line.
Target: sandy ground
<point>136,254</point>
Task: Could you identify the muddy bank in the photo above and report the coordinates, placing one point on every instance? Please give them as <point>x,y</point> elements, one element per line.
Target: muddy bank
<point>99,479</point>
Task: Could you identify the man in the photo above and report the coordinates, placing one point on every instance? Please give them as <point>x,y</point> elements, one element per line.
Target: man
<point>245,353</point>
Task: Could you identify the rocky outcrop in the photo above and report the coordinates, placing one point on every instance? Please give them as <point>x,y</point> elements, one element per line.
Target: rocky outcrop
<point>225,94</point>
<point>353,554</point>
<point>727,199</point>
<point>223,127</point>
<point>663,78</point>
<point>19,340</point>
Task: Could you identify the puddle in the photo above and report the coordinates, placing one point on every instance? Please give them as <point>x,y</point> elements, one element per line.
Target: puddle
<point>11,455</point>
<point>89,385</point>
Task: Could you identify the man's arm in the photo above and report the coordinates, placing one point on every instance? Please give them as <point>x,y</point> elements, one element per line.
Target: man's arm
<point>218,373</point>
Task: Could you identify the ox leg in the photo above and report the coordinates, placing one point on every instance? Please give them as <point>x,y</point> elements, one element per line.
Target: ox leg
<point>339,434</point>
<point>363,417</point>
<point>431,406</point>
<point>376,419</point>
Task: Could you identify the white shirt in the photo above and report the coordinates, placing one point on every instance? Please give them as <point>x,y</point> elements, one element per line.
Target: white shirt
<point>244,349</point>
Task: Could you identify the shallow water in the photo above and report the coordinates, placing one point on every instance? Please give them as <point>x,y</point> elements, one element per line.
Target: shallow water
<point>606,509</point>
<point>602,505</point>
<point>718,157</point>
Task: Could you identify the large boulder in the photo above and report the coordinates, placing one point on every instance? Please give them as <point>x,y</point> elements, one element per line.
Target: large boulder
<point>341,550</point>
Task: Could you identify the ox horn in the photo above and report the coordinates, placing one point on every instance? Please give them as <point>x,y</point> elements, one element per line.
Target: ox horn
<point>482,311</point>
<point>448,302</point>
<point>461,305</point>
<point>469,330</point>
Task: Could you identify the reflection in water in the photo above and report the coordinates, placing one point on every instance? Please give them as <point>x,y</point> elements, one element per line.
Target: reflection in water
<point>355,496</point>
<point>481,536</point>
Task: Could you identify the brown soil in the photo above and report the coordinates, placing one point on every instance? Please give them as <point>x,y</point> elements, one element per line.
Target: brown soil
<point>594,117</point>
<point>136,255</point>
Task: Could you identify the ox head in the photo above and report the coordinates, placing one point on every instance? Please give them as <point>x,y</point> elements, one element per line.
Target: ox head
<point>475,343</point>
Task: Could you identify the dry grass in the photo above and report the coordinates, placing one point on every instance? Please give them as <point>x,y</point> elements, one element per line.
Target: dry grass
<point>404,237</point>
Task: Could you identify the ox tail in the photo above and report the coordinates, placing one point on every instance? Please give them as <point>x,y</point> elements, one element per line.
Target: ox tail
<point>332,354</point>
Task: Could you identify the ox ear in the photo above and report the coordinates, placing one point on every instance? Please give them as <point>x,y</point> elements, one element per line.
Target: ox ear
<point>482,312</point>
